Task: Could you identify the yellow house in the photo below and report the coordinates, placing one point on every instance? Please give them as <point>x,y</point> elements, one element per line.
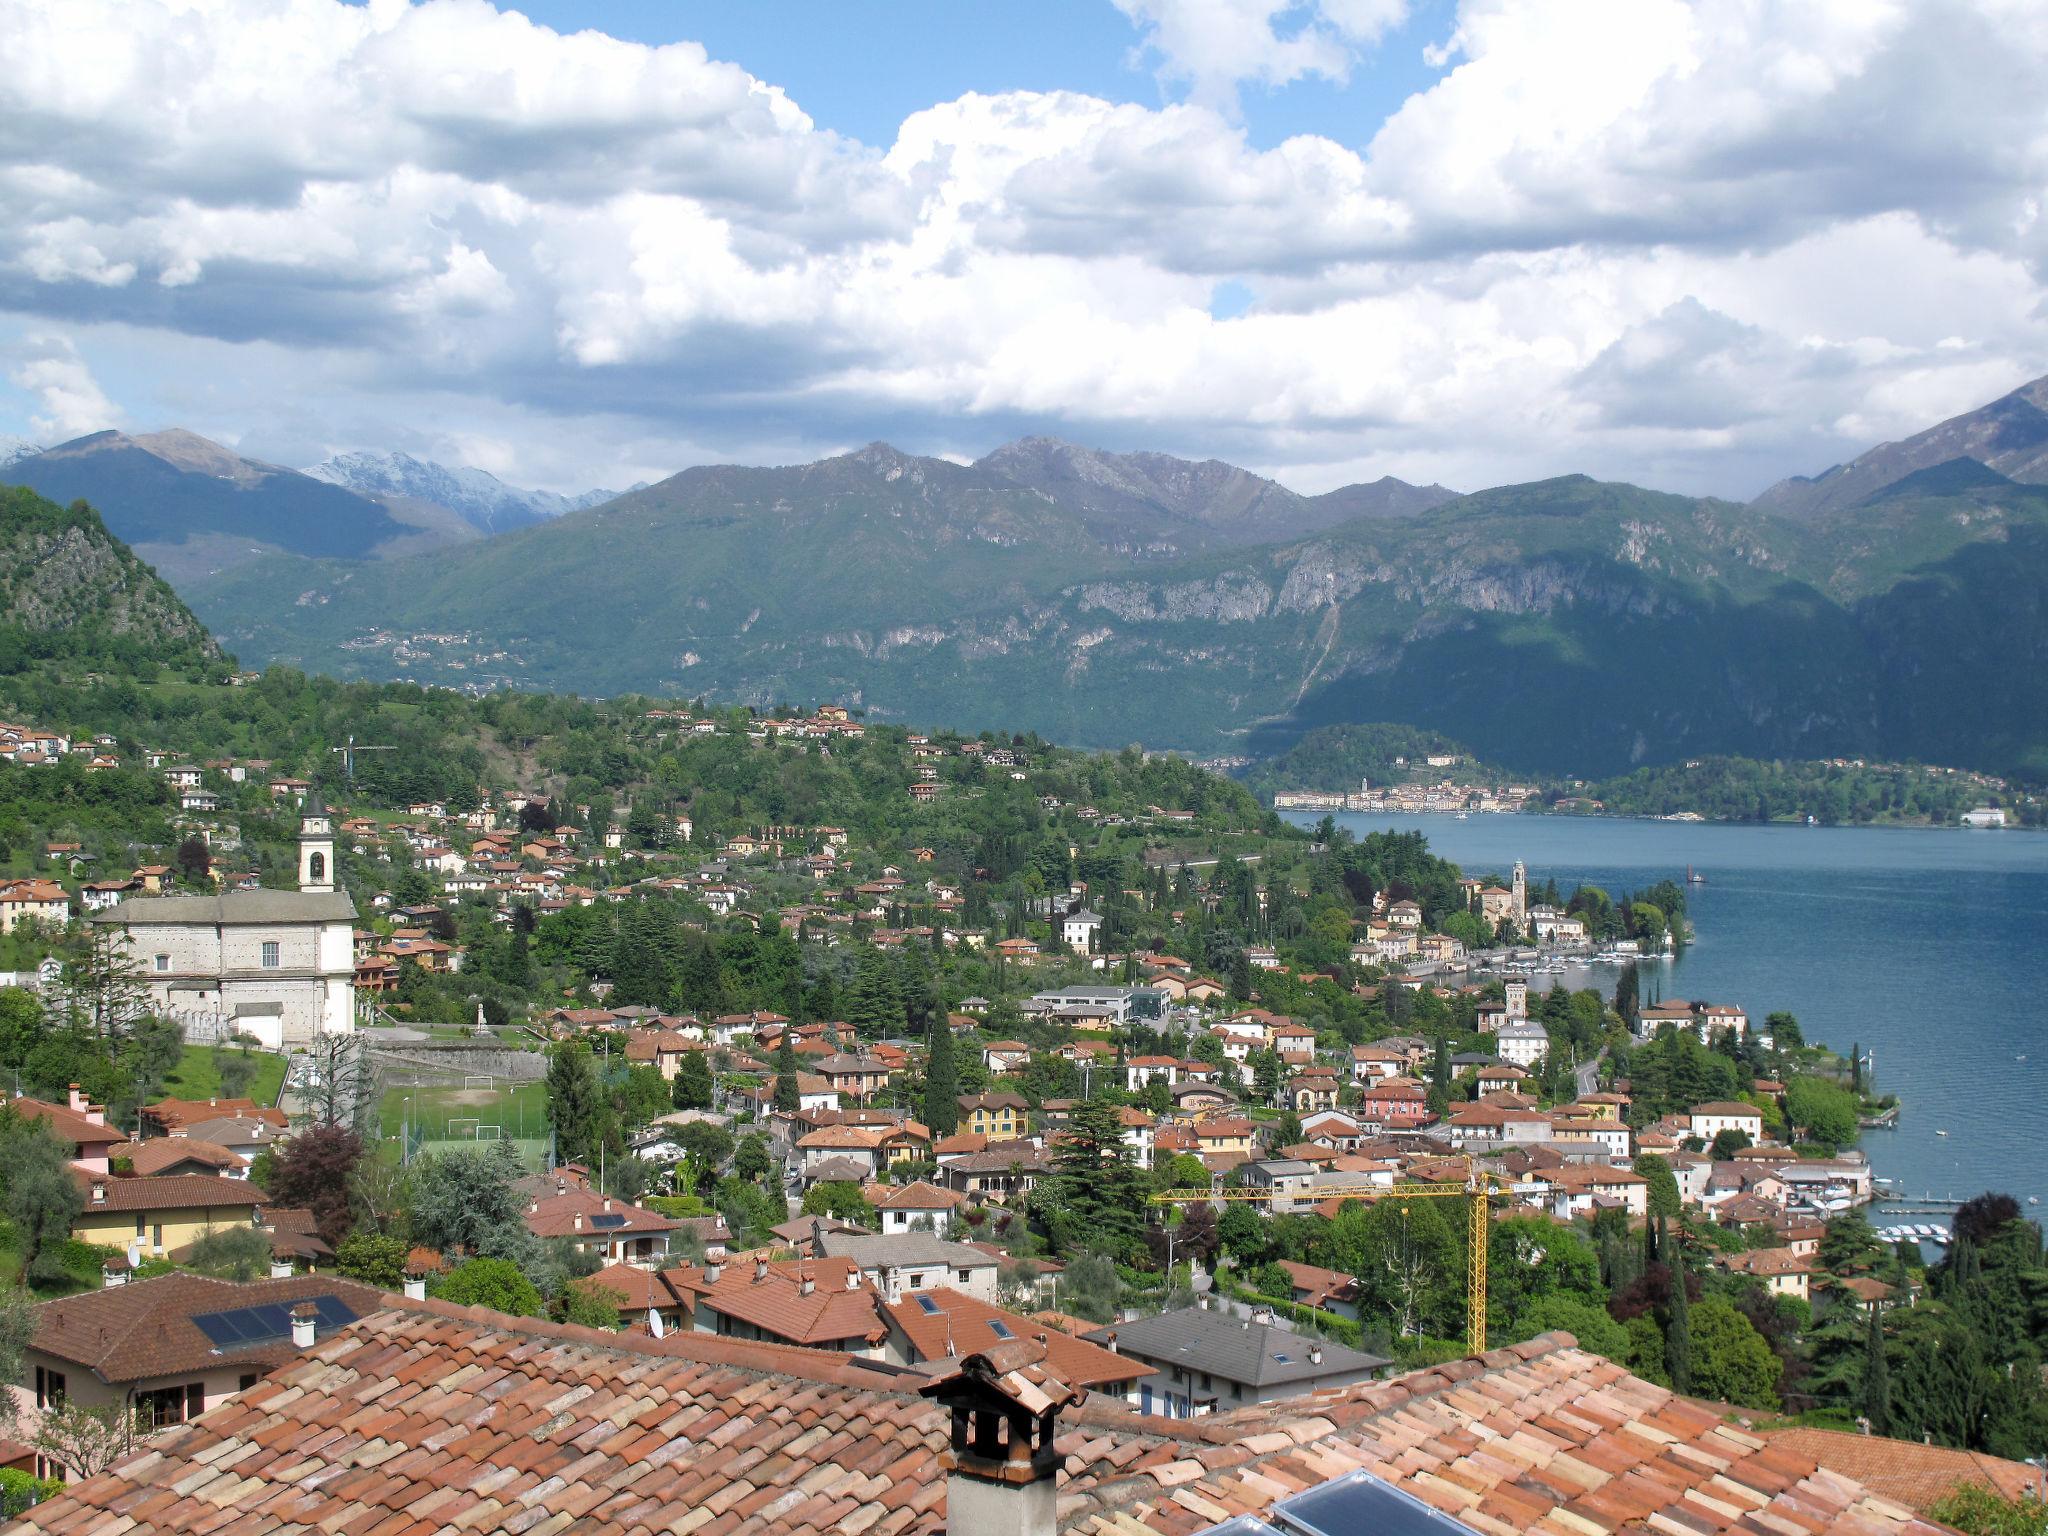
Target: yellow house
<point>162,1217</point>
<point>1225,1133</point>
<point>998,1116</point>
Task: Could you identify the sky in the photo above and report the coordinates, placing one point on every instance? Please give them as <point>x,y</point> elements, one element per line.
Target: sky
<point>1695,244</point>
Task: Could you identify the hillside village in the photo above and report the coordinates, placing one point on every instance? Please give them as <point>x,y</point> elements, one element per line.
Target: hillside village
<point>1026,1044</point>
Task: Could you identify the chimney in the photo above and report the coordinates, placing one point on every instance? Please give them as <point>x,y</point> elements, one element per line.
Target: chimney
<point>760,1267</point>
<point>415,1288</point>
<point>1111,1343</point>
<point>714,1267</point>
<point>806,1284</point>
<point>607,1202</point>
<point>280,1269</point>
<point>112,1273</point>
<point>576,1222</point>
<point>99,1191</point>
<point>304,1315</point>
<point>1002,1471</point>
<point>1315,1354</point>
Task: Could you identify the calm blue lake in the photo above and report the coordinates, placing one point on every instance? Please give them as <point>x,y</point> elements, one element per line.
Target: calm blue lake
<point>1924,946</point>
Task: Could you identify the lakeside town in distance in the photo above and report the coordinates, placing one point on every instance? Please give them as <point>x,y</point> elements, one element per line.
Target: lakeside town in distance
<point>1023,1043</point>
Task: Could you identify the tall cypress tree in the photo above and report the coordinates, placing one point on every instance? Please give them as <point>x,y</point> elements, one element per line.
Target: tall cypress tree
<point>786,1096</point>
<point>1678,1332</point>
<point>941,1080</point>
<point>1877,1387</point>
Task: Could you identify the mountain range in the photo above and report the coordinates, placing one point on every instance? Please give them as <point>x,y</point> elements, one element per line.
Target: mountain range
<point>479,497</point>
<point>194,508</point>
<point>1893,606</point>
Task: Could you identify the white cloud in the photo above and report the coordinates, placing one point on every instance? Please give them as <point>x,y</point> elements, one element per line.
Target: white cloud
<point>1216,45</point>
<point>68,401</point>
<point>1699,243</point>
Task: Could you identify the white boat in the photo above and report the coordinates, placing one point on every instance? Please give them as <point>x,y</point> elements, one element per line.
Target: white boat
<point>1941,1133</point>
<point>2033,1199</point>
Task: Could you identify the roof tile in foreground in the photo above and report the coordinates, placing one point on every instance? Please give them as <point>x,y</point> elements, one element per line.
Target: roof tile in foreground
<point>433,1419</point>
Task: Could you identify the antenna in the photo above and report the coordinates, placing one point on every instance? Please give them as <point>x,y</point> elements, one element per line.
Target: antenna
<point>348,756</point>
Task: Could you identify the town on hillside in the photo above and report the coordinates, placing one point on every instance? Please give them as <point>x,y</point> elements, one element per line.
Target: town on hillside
<point>1002,1073</point>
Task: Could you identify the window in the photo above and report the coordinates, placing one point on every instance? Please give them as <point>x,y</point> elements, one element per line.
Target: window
<point>49,1388</point>
<point>248,1381</point>
<point>163,962</point>
<point>171,1405</point>
<point>316,866</point>
<point>917,1279</point>
<point>270,954</point>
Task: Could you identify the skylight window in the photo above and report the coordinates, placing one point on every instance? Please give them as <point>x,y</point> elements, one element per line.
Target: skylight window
<point>1000,1329</point>
<point>927,1305</point>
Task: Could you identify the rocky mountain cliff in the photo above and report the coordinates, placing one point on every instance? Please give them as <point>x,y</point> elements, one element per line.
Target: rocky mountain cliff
<point>69,588</point>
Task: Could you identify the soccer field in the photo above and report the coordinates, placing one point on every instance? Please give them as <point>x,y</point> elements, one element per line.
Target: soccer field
<point>506,1111</point>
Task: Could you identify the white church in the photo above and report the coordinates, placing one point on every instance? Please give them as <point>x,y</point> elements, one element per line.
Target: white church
<point>278,966</point>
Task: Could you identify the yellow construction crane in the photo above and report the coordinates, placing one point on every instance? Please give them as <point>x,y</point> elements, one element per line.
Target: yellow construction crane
<point>1476,1189</point>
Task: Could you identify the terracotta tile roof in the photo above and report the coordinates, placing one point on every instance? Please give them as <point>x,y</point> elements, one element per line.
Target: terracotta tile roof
<point>173,1113</point>
<point>152,1157</point>
<point>433,1418</point>
<point>66,1123</point>
<point>173,1192</point>
<point>1917,1476</point>
<point>841,1309</point>
<point>641,1289</point>
<point>915,1196</point>
<point>572,1213</point>
<point>144,1329</point>
<point>947,1324</point>
<point>1542,1437</point>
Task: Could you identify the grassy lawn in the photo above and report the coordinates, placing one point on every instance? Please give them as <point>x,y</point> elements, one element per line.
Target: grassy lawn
<point>197,1077</point>
<point>519,1109</point>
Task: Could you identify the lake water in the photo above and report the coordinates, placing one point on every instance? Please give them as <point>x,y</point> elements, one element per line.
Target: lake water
<point>1926,947</point>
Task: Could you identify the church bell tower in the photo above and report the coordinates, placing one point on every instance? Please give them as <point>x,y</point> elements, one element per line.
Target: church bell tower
<point>316,848</point>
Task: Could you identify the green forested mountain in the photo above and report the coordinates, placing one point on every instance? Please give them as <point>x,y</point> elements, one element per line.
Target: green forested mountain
<point>1567,626</point>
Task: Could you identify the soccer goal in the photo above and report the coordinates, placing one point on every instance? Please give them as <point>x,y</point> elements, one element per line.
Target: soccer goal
<point>459,1126</point>
<point>479,1080</point>
<point>490,1133</point>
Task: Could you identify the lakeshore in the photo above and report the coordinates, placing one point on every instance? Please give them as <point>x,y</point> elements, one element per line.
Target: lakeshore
<point>1913,947</point>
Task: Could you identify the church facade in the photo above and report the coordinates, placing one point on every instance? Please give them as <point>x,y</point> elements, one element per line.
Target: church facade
<point>278,966</point>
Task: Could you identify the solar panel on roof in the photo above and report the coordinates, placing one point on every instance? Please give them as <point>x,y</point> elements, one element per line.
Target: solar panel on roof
<point>1357,1504</point>
<point>240,1327</point>
<point>608,1219</point>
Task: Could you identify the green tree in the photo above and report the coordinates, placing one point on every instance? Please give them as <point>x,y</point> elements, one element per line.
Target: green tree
<point>494,1283</point>
<point>576,1105</point>
<point>839,1200</point>
<point>42,1196</point>
<point>231,1253</point>
<point>1877,1387</point>
<point>372,1258</point>
<point>589,1305</point>
<point>1095,1195</point>
<point>693,1086</point>
<point>1824,1111</point>
<point>941,1080</point>
<point>1728,1360</point>
<point>1664,1201</point>
<point>750,1159</point>
<point>787,1096</point>
<point>1678,1330</point>
<point>466,1200</point>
